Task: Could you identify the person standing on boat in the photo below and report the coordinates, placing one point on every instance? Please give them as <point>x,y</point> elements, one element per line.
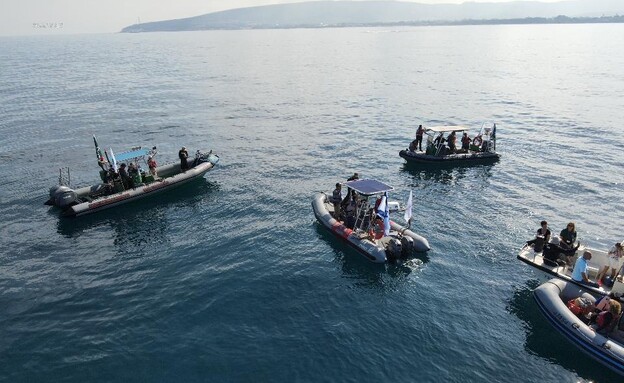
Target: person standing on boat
<point>336,200</point>
<point>151,164</point>
<point>451,141</point>
<point>419,136</point>
<point>183,154</point>
<point>439,140</point>
<point>351,210</point>
<point>568,236</point>
<point>616,255</point>
<point>125,178</point>
<point>579,273</point>
<point>465,142</point>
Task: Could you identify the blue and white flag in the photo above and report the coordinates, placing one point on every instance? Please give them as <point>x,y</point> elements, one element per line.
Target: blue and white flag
<point>408,209</point>
<point>383,212</point>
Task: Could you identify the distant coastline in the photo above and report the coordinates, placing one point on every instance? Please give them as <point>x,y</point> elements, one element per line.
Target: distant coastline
<point>529,20</point>
<point>516,21</point>
<point>385,13</point>
<point>525,20</point>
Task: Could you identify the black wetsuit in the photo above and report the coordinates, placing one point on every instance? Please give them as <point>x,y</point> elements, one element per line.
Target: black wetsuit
<point>183,154</point>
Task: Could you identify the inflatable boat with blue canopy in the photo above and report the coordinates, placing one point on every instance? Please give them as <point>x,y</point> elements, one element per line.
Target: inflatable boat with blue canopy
<point>362,220</point>
<point>123,183</point>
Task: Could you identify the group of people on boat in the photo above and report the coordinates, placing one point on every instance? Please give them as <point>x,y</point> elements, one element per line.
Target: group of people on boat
<point>561,251</point>
<point>131,175</point>
<point>603,316</point>
<point>441,146</point>
<point>127,176</point>
<point>346,209</point>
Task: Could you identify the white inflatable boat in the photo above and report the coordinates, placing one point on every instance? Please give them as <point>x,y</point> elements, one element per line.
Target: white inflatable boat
<point>606,348</point>
<point>115,191</point>
<point>548,269</point>
<point>365,227</point>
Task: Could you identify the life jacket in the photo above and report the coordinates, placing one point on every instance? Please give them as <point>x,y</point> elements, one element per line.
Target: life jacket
<point>580,306</point>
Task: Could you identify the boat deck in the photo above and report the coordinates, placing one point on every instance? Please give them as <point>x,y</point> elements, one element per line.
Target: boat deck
<point>598,261</point>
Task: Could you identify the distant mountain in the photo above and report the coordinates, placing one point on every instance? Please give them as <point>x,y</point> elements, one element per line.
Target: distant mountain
<point>345,13</point>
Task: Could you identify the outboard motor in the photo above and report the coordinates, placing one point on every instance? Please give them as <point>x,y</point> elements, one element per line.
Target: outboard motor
<point>407,245</point>
<point>201,157</point>
<point>63,196</point>
<point>394,249</point>
<point>53,190</point>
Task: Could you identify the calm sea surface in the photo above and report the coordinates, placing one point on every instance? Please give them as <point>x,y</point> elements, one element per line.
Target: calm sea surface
<point>230,278</point>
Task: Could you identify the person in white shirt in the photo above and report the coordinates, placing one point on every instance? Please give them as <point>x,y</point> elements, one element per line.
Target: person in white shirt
<point>616,255</point>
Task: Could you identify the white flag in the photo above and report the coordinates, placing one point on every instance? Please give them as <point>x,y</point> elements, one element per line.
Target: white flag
<point>113,159</point>
<point>408,209</point>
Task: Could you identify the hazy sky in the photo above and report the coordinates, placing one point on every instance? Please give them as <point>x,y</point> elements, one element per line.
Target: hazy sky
<point>28,17</point>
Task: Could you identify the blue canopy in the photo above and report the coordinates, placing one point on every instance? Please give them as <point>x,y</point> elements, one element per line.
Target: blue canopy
<point>369,187</point>
<point>131,154</point>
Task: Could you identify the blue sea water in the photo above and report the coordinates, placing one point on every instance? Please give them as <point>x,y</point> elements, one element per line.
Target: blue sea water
<point>230,278</point>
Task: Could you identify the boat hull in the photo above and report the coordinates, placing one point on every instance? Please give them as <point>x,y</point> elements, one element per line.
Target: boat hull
<point>459,158</point>
<point>551,298</point>
<point>140,192</point>
<point>373,251</point>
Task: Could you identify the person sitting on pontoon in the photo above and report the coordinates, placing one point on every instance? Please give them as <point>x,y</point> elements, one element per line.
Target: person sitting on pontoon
<point>606,320</point>
<point>541,238</point>
<point>579,274</point>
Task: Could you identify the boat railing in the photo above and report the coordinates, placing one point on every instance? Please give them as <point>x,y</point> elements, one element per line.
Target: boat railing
<point>362,212</point>
<point>64,176</point>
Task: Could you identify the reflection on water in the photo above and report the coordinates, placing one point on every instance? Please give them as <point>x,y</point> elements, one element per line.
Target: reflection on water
<point>447,175</point>
<point>546,342</point>
<point>142,220</point>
